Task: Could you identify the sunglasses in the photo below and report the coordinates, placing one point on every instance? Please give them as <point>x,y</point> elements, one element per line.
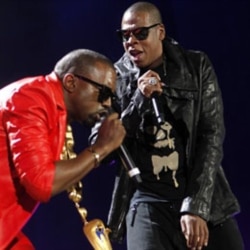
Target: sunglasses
<point>140,33</point>
<point>104,92</point>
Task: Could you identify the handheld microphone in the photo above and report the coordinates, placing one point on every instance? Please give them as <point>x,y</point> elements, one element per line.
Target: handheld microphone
<point>128,163</point>
<point>157,109</point>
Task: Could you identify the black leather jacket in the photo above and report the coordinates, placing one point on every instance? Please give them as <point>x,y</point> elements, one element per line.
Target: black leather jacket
<point>194,96</point>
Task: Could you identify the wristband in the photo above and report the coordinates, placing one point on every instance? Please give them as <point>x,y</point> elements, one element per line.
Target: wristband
<point>96,157</point>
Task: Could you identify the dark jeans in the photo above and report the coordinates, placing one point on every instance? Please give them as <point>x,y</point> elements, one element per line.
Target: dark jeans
<point>156,226</point>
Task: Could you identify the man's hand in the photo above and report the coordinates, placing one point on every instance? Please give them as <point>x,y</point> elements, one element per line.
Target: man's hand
<point>195,231</point>
<point>149,83</point>
<point>111,133</point>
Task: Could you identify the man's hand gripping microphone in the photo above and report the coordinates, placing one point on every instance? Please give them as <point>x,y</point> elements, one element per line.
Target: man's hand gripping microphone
<point>155,103</point>
<point>126,159</point>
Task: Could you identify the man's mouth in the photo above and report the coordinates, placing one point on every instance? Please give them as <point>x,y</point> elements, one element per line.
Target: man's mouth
<point>135,54</point>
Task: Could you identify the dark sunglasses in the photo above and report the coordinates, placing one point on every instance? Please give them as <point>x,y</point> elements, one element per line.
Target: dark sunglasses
<point>104,92</point>
<point>140,33</point>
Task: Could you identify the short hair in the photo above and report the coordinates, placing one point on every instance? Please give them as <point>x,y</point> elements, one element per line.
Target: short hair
<point>79,60</point>
<point>147,7</point>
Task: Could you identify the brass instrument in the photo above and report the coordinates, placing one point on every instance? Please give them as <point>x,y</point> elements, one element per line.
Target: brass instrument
<point>94,230</point>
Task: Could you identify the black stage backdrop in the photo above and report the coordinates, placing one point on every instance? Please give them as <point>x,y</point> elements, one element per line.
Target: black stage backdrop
<point>35,34</point>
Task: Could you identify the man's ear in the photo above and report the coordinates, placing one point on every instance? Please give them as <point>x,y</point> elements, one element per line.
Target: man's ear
<point>162,32</point>
<point>69,82</point>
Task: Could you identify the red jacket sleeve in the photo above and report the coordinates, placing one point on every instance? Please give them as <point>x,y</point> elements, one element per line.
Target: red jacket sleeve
<point>31,121</point>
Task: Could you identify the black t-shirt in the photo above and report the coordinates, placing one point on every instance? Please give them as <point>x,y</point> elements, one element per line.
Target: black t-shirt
<point>160,153</point>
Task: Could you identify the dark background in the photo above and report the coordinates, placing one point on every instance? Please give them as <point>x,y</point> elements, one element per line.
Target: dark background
<point>35,34</point>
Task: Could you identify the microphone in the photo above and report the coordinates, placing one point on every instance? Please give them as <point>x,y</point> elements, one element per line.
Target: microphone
<point>126,159</point>
<point>157,109</point>
<point>128,163</point>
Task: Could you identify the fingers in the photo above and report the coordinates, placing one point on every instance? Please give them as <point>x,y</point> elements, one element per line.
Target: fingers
<point>200,237</point>
<point>198,241</point>
<point>195,231</point>
<point>112,116</point>
<point>112,123</point>
<point>111,132</point>
<point>149,83</point>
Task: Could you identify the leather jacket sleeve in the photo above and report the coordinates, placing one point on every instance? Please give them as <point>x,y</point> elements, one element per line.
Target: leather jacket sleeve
<point>206,150</point>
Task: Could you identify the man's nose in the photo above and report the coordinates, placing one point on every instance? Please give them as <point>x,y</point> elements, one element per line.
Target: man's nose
<point>107,103</point>
<point>131,38</point>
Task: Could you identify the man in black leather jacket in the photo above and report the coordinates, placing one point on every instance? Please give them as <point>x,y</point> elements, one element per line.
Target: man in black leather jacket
<point>184,200</point>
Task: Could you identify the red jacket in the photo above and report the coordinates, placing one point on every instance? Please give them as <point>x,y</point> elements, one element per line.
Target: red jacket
<point>32,130</point>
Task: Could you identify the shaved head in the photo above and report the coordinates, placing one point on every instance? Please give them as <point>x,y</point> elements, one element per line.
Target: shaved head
<point>151,9</point>
<point>80,60</point>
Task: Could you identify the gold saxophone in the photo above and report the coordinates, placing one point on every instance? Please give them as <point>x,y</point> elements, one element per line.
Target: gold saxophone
<point>94,230</point>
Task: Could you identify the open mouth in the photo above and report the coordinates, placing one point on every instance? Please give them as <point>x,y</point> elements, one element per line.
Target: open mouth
<point>135,54</point>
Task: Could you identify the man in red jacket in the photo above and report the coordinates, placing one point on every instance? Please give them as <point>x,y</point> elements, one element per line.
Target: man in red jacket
<point>34,113</point>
